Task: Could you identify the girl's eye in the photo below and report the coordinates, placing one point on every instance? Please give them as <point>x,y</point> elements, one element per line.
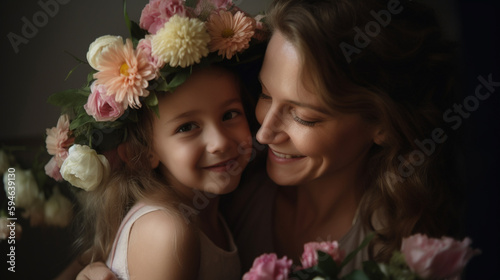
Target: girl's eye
<point>230,115</point>
<point>301,121</point>
<point>186,128</point>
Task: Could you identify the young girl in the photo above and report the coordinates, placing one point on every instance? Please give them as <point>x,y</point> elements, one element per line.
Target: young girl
<point>174,168</point>
<point>151,207</point>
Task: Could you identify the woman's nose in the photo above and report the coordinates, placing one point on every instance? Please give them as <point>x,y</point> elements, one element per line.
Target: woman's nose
<point>271,129</point>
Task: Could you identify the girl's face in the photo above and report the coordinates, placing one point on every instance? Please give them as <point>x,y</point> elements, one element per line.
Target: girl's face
<point>202,138</point>
<point>307,140</point>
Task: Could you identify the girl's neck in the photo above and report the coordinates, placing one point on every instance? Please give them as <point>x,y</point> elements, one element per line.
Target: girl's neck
<point>211,225</point>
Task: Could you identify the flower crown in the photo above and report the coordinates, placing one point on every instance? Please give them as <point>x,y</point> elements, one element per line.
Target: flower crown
<point>172,37</point>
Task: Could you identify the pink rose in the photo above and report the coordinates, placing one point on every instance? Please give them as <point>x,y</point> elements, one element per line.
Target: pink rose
<point>310,256</point>
<point>59,140</point>
<point>261,32</point>
<point>269,267</point>
<point>53,170</point>
<point>102,106</point>
<point>158,12</point>
<point>206,7</point>
<point>144,46</point>
<point>433,258</point>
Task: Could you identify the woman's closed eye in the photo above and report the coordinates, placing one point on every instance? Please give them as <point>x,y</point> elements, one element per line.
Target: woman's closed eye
<point>264,96</point>
<point>302,121</point>
<point>186,127</point>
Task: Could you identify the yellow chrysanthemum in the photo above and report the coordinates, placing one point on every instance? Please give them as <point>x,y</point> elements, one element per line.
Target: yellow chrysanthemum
<point>181,42</point>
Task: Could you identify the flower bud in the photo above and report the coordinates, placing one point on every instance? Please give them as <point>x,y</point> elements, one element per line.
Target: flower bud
<point>84,168</point>
<point>99,47</point>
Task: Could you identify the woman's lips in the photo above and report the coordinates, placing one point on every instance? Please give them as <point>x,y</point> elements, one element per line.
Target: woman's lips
<point>281,157</point>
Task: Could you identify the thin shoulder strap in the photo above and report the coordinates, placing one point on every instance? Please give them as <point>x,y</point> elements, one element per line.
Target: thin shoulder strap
<point>129,215</point>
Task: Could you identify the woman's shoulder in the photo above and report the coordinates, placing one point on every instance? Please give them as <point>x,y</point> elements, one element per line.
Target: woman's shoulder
<point>163,245</point>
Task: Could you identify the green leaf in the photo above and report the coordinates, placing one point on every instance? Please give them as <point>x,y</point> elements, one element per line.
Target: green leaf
<point>327,265</point>
<point>372,269</point>
<point>191,3</point>
<point>151,100</point>
<point>162,85</point>
<point>136,31</point>
<point>70,97</point>
<point>127,19</point>
<point>90,78</point>
<point>81,120</point>
<point>356,275</point>
<point>178,80</point>
<point>305,274</point>
<point>71,71</point>
<point>131,115</point>
<point>76,58</point>
<point>352,254</point>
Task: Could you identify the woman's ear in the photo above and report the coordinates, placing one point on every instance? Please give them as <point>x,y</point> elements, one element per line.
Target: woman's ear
<point>380,136</point>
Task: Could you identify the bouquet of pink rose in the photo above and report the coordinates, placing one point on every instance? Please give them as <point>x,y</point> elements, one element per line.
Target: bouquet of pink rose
<point>420,257</point>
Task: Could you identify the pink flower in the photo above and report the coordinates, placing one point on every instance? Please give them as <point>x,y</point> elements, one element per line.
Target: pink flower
<point>433,258</point>
<point>261,31</point>
<point>58,140</point>
<point>53,170</point>
<point>205,7</point>
<point>230,34</point>
<point>269,267</point>
<point>144,46</point>
<point>158,12</point>
<point>102,106</point>
<point>125,73</point>
<point>310,256</point>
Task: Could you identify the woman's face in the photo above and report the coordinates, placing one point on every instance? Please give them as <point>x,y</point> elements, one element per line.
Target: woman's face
<point>307,140</point>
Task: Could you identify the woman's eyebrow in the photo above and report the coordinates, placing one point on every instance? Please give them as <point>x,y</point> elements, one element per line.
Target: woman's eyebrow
<point>300,104</point>
<point>309,106</point>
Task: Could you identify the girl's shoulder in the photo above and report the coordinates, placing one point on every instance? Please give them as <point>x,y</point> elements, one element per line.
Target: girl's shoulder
<point>163,245</point>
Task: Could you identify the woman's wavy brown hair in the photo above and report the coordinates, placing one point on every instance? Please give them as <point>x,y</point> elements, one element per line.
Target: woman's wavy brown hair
<point>399,79</point>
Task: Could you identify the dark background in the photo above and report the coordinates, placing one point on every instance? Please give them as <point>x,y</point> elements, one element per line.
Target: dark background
<point>40,67</point>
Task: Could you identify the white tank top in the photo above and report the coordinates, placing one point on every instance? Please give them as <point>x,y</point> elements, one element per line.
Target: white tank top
<point>215,263</point>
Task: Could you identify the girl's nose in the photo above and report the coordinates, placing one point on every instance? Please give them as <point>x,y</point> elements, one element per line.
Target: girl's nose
<point>217,141</point>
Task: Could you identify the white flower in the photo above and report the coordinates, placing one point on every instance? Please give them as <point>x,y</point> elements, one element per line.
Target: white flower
<point>58,209</point>
<point>84,168</point>
<point>26,189</point>
<point>4,161</point>
<point>181,42</point>
<point>99,47</point>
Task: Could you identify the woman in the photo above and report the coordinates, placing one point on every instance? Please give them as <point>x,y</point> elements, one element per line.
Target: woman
<point>351,118</point>
<point>352,92</point>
